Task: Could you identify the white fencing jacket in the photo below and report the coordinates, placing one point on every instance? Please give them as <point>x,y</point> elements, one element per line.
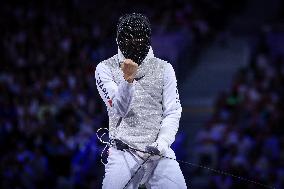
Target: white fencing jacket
<point>119,97</point>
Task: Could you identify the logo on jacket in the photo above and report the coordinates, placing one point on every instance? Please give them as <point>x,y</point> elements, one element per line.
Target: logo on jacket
<point>103,89</point>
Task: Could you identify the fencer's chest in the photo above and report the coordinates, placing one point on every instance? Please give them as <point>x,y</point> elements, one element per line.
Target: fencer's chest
<point>149,78</point>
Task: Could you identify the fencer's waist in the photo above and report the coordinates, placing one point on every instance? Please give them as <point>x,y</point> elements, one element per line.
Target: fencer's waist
<point>119,145</point>
<point>122,146</point>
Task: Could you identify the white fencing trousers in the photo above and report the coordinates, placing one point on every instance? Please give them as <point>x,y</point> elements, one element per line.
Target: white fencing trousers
<point>155,174</point>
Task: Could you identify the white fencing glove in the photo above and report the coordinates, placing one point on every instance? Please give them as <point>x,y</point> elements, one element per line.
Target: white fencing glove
<point>157,148</point>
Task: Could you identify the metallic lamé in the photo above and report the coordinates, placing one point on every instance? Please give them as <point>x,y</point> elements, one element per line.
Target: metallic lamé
<point>140,127</point>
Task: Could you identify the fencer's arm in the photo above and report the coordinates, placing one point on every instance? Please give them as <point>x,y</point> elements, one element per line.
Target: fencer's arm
<point>116,97</point>
<point>171,108</point>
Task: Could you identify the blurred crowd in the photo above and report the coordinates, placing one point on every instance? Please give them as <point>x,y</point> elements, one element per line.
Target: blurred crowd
<point>50,108</point>
<point>245,135</point>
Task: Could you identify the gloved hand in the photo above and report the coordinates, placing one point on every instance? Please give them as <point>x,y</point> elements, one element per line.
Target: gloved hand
<point>159,147</point>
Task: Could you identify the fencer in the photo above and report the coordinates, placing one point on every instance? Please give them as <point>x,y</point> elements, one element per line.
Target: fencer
<point>141,95</point>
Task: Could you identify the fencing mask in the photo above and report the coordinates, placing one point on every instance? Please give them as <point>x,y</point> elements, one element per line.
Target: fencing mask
<point>134,36</point>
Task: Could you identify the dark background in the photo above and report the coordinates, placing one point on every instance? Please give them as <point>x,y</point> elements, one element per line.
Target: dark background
<point>229,60</point>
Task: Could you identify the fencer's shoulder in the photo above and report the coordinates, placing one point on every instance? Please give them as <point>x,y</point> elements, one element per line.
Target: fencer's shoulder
<point>167,66</point>
<point>107,63</point>
<point>160,61</point>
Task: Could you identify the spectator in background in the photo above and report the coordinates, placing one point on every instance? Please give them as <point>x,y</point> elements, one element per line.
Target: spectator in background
<point>49,104</point>
<point>246,128</point>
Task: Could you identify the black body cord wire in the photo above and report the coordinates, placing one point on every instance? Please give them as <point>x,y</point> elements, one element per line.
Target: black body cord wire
<point>126,147</point>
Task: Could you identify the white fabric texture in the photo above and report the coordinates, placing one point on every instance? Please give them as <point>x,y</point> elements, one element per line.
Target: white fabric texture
<point>155,174</point>
<point>122,94</point>
<point>116,97</point>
